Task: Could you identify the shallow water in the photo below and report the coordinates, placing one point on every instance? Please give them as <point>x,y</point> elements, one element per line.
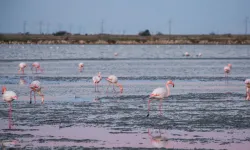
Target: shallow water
<point>203,110</point>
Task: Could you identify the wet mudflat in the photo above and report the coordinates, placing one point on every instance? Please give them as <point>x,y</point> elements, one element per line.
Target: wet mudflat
<point>203,110</point>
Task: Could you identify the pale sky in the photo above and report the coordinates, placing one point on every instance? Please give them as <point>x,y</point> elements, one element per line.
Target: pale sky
<point>130,16</point>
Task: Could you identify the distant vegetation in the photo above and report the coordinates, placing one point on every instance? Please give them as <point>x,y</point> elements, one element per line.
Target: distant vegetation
<point>61,33</point>
<point>145,33</point>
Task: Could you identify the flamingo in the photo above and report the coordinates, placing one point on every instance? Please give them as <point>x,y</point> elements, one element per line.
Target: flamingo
<point>9,96</point>
<point>199,55</point>
<point>22,65</point>
<point>35,86</point>
<point>37,66</point>
<point>80,66</point>
<point>186,54</point>
<point>247,82</point>
<point>112,79</point>
<point>96,80</point>
<point>227,70</point>
<point>115,54</point>
<point>160,93</point>
<point>158,141</point>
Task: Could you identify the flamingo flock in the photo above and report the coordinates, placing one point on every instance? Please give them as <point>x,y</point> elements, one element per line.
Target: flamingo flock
<point>157,94</point>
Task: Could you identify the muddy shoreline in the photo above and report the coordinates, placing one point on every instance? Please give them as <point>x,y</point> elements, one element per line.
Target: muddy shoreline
<point>225,39</point>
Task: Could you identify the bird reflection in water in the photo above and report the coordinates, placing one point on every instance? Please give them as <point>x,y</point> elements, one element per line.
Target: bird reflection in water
<point>160,140</point>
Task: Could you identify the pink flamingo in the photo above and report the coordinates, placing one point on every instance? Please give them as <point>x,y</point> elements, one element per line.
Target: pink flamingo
<point>160,93</point>
<point>247,82</point>
<point>96,80</point>
<point>9,96</point>
<point>35,86</point>
<point>80,67</point>
<point>112,79</point>
<point>37,66</point>
<point>158,141</point>
<point>227,70</point>
<point>22,65</point>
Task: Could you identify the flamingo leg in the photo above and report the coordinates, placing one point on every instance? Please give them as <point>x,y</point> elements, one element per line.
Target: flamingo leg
<point>108,87</point>
<point>30,96</point>
<point>114,88</point>
<point>98,87</point>
<point>10,109</point>
<point>97,90</point>
<point>95,87</point>
<point>36,70</point>
<point>148,107</point>
<point>35,97</point>
<point>160,106</point>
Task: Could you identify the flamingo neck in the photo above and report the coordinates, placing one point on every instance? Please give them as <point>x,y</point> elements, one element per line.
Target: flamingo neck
<point>168,90</point>
<point>120,86</point>
<point>3,89</point>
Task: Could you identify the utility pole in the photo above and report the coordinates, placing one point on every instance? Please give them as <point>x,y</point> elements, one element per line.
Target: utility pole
<point>24,27</point>
<point>169,26</point>
<point>48,26</point>
<point>80,29</point>
<point>246,21</point>
<point>70,28</point>
<point>41,27</point>
<point>102,28</point>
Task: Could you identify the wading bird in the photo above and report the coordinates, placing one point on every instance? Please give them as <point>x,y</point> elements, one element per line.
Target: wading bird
<point>227,70</point>
<point>9,96</point>
<point>112,79</point>
<point>159,94</point>
<point>186,54</point>
<point>80,67</point>
<point>247,82</point>
<point>96,80</point>
<point>37,66</point>
<point>35,87</point>
<point>22,65</point>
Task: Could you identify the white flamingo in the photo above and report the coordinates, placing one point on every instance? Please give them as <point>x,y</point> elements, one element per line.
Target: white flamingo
<point>80,66</point>
<point>227,70</point>
<point>247,82</point>
<point>96,80</point>
<point>35,87</point>
<point>37,66</point>
<point>22,65</point>
<point>159,94</point>
<point>9,96</point>
<point>112,79</point>
<point>186,54</point>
